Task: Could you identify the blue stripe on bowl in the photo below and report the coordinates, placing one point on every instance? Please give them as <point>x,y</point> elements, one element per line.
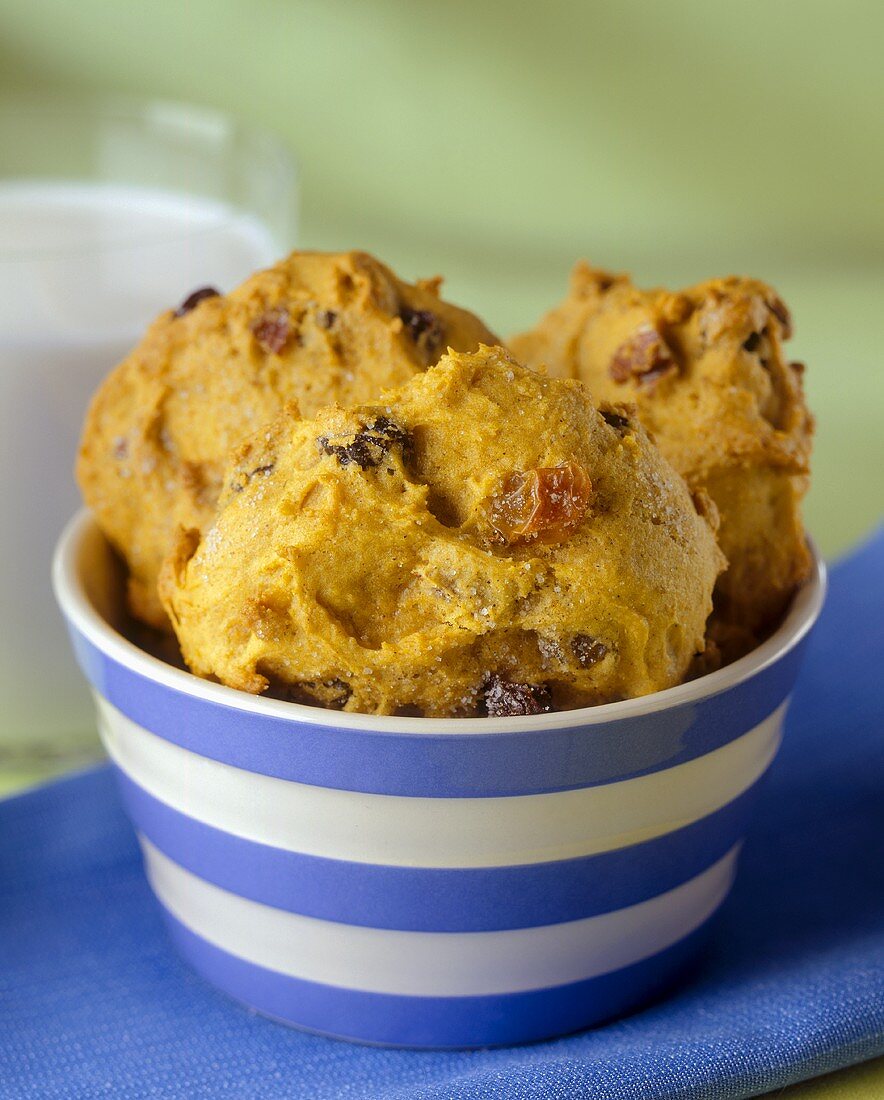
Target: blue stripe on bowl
<point>446,765</point>
<point>474,899</point>
<point>436,1022</point>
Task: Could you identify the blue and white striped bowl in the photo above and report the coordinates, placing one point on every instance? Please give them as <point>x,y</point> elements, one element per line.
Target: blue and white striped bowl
<point>422,882</point>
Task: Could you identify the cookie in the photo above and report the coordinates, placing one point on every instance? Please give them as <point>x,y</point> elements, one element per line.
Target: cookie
<point>484,540</point>
<point>707,373</point>
<point>315,329</point>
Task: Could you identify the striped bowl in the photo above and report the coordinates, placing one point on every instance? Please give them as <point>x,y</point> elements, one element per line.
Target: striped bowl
<point>422,882</point>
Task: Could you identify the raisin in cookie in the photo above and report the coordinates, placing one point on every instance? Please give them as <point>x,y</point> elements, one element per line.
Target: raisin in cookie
<point>706,371</point>
<point>482,541</point>
<point>315,329</point>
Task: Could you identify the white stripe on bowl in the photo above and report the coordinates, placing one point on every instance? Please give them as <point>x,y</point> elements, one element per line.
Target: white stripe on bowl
<point>437,832</point>
<point>436,964</point>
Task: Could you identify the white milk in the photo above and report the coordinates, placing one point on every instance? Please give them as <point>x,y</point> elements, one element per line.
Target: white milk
<point>83,269</point>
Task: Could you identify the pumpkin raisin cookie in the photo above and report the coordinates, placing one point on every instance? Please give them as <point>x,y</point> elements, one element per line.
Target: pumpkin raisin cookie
<point>483,540</point>
<point>315,329</point>
<point>706,371</point>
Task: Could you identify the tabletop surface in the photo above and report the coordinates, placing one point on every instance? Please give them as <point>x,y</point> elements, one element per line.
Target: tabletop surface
<point>791,984</point>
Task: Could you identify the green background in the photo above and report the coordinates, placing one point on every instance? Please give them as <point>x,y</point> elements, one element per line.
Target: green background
<point>496,142</point>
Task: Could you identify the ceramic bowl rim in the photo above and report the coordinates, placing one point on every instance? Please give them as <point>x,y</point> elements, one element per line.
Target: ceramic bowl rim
<point>78,609</point>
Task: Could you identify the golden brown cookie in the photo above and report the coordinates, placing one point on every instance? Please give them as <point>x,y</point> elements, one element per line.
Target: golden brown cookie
<point>706,371</point>
<point>481,540</point>
<point>315,329</point>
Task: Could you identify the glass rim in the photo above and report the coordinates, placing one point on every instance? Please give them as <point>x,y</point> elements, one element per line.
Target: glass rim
<point>233,136</point>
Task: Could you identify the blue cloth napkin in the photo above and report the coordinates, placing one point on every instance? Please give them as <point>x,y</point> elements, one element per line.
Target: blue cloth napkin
<point>94,1002</point>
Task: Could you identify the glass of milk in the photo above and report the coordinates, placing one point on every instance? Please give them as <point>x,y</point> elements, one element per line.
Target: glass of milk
<point>109,214</point>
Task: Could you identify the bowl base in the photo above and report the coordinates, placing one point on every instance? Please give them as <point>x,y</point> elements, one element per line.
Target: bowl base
<point>431,1023</point>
